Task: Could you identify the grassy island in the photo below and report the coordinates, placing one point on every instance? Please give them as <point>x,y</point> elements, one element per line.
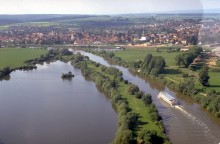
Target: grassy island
<point>138,118</point>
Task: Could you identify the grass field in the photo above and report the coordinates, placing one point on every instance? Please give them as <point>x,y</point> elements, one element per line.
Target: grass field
<point>15,57</point>
<point>214,81</point>
<point>134,54</point>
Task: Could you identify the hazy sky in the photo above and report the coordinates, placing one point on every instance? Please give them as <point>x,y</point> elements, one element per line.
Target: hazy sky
<point>101,6</point>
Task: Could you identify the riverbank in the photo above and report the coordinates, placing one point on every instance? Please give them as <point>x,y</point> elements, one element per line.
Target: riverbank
<point>138,122</point>
<point>16,57</point>
<point>12,59</point>
<point>184,86</point>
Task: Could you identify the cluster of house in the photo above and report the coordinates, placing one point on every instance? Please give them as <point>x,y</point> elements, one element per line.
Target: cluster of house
<point>175,32</point>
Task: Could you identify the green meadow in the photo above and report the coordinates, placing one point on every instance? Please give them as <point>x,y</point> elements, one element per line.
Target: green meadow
<point>134,54</point>
<point>15,57</point>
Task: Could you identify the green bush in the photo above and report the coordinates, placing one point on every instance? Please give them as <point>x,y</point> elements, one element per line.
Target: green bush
<point>147,99</point>
<point>132,89</point>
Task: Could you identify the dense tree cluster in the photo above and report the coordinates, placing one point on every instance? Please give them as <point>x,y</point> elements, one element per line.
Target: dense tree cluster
<point>185,59</point>
<point>65,51</point>
<point>77,59</point>
<point>132,89</point>
<point>4,72</point>
<point>211,102</point>
<point>153,65</point>
<point>186,87</point>
<point>147,99</point>
<point>149,137</point>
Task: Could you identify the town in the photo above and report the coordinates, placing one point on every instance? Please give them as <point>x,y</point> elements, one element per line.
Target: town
<point>130,79</point>
<point>152,32</point>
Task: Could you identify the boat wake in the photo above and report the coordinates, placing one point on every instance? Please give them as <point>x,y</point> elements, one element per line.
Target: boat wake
<point>205,128</point>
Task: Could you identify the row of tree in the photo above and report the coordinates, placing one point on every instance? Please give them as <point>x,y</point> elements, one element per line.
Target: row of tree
<point>211,102</point>
<point>128,120</point>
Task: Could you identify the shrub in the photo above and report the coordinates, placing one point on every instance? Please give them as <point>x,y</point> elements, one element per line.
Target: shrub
<point>133,89</point>
<point>139,95</point>
<point>147,99</point>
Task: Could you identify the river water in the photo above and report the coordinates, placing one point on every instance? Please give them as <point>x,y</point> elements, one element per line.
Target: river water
<point>38,107</point>
<point>189,125</point>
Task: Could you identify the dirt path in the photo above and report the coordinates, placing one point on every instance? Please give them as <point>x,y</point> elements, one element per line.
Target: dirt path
<point>172,80</point>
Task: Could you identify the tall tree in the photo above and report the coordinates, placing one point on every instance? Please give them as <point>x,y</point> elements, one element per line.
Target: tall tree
<point>147,61</point>
<point>179,60</point>
<point>204,76</point>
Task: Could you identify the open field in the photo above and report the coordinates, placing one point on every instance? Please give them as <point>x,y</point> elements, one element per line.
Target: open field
<point>15,57</point>
<point>134,54</point>
<point>86,19</point>
<point>44,24</point>
<point>214,81</point>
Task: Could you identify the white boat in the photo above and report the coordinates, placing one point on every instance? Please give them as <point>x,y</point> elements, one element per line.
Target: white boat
<point>168,98</point>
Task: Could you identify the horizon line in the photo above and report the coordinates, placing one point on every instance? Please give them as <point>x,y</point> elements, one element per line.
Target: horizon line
<point>110,14</point>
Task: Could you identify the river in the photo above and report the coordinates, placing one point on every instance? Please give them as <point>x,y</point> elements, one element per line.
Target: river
<point>38,107</point>
<point>189,125</point>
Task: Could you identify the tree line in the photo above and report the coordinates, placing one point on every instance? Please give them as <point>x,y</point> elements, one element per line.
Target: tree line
<point>108,79</point>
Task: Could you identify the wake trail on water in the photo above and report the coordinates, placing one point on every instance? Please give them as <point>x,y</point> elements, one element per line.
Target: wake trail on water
<point>205,128</point>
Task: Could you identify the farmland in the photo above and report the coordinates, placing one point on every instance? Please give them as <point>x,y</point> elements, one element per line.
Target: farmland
<point>15,57</point>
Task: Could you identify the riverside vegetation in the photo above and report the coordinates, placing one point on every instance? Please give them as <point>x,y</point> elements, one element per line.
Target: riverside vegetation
<point>17,56</point>
<point>138,118</point>
<point>26,59</point>
<point>186,79</point>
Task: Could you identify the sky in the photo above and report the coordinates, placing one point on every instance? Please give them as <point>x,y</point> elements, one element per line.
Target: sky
<point>102,6</point>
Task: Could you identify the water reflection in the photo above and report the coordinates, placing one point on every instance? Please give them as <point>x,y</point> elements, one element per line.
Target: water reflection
<point>6,78</point>
<point>38,107</point>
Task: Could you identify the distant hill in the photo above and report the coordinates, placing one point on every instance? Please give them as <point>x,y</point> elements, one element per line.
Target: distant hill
<point>204,11</point>
<point>200,12</point>
<point>10,19</point>
<point>212,11</point>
